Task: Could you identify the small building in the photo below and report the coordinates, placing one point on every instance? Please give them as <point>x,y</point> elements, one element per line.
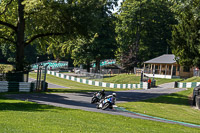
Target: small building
<point>165,66</point>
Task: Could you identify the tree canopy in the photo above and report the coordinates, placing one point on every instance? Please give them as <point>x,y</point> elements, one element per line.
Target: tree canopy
<point>185,41</point>
<point>23,22</point>
<point>144,26</point>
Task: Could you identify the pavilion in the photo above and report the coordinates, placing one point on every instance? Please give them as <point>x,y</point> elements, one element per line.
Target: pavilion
<point>165,66</point>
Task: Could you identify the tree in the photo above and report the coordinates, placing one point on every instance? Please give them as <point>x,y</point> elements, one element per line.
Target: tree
<point>185,41</point>
<point>143,26</point>
<point>23,22</point>
<point>100,44</point>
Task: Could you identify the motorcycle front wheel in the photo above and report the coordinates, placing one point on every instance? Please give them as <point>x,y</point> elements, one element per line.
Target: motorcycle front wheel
<point>105,106</point>
<point>93,100</point>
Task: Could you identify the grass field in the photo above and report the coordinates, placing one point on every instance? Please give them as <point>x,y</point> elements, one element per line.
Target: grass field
<point>73,86</point>
<point>174,107</point>
<point>26,117</point>
<point>192,79</point>
<point>133,79</point>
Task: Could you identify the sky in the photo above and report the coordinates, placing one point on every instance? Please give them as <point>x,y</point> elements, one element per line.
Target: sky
<point>116,8</point>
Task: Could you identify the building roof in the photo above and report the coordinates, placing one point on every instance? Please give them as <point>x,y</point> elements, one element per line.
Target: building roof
<point>163,59</point>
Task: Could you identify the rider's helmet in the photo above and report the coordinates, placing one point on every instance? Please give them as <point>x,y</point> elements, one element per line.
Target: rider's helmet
<point>102,90</point>
<point>114,94</point>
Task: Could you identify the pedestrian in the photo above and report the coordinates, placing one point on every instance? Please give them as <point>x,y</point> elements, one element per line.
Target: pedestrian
<point>149,83</point>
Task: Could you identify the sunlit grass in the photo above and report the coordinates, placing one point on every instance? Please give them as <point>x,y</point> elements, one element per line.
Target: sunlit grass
<point>175,106</point>
<point>26,117</point>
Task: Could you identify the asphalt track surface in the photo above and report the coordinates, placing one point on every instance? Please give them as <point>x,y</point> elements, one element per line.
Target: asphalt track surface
<point>82,101</point>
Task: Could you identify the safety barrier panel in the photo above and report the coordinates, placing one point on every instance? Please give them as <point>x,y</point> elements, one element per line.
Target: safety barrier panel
<point>143,85</point>
<point>187,84</point>
<point>6,86</point>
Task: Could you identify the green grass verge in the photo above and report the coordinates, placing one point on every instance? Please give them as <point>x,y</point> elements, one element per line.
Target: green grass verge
<point>26,117</point>
<point>174,107</point>
<point>160,81</point>
<point>73,86</point>
<point>192,79</point>
<point>133,79</point>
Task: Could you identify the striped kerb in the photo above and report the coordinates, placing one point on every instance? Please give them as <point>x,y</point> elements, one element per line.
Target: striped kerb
<point>93,82</point>
<point>65,76</point>
<point>141,84</point>
<point>178,85</point>
<point>194,84</point>
<point>184,85</point>
<point>131,86</point>
<point>59,75</point>
<point>126,85</point>
<point>107,84</point>
<point>115,85</point>
<point>100,84</point>
<point>13,86</point>
<point>121,86</point>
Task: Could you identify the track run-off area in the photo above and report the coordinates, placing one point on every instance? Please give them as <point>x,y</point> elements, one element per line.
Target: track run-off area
<point>82,101</point>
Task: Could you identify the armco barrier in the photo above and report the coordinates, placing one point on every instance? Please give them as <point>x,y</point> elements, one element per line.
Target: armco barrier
<point>143,85</point>
<point>6,86</point>
<point>187,85</point>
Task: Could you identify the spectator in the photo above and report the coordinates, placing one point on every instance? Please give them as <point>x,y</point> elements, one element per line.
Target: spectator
<point>149,83</point>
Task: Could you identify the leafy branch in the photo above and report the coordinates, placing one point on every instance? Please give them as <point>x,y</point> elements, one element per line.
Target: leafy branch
<point>6,39</point>
<point>42,35</point>
<point>6,7</point>
<point>8,25</point>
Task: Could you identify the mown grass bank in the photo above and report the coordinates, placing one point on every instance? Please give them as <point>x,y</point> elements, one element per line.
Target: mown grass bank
<point>26,117</point>
<point>133,79</point>
<point>175,106</point>
<point>192,79</point>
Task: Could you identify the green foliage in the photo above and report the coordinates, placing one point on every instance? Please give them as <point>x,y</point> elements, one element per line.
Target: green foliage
<point>185,37</point>
<point>99,43</point>
<point>40,21</point>
<point>144,26</point>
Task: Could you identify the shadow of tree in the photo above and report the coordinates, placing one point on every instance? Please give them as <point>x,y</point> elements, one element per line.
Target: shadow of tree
<point>16,105</point>
<point>69,91</point>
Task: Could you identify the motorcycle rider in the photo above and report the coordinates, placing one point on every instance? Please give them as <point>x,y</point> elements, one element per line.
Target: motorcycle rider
<point>98,96</point>
<point>102,92</point>
<point>112,96</point>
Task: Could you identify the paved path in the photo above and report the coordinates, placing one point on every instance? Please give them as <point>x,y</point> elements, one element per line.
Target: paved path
<point>82,101</point>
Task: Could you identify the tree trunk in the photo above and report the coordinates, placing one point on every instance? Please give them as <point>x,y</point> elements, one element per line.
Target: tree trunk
<point>20,37</point>
<point>97,65</point>
<point>88,66</point>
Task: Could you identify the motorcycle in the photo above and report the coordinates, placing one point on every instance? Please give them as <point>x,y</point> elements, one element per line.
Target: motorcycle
<point>106,103</point>
<point>96,97</point>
